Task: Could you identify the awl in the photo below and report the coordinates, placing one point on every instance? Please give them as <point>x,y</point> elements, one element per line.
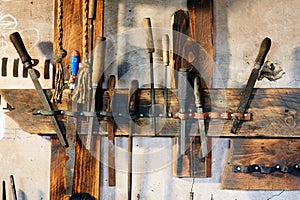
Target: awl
<point>27,62</point>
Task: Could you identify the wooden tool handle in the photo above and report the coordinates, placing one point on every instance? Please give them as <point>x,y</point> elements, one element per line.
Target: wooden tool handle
<point>263,51</point>
<point>149,35</point>
<point>17,41</point>
<point>196,91</point>
<point>92,9</point>
<point>165,48</point>
<point>132,97</point>
<point>98,62</point>
<point>111,84</point>
<point>3,190</point>
<point>13,187</point>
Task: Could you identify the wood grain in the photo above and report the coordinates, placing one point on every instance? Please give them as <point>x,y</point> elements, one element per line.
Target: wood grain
<point>265,153</point>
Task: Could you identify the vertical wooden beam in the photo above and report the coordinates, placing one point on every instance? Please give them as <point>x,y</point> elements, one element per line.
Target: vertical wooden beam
<point>200,31</point>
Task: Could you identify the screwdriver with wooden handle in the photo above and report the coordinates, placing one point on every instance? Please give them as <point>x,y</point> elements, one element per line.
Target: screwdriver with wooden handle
<point>111,132</point>
<point>98,66</point>
<point>150,50</point>
<point>132,107</point>
<point>27,62</point>
<point>259,61</point>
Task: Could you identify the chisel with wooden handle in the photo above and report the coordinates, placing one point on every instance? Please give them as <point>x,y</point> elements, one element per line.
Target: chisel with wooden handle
<point>151,50</point>
<point>132,107</point>
<point>259,61</point>
<point>166,61</point>
<point>199,109</point>
<point>111,133</point>
<point>27,62</point>
<point>98,66</point>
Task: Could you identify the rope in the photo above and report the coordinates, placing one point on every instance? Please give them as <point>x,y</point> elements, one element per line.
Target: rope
<point>61,53</point>
<point>81,94</point>
<point>82,91</point>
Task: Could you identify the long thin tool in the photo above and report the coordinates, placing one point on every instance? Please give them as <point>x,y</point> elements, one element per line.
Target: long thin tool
<point>151,50</point>
<point>111,133</point>
<point>27,62</point>
<point>166,61</point>
<point>91,16</point>
<point>199,109</point>
<point>3,190</point>
<point>132,107</point>
<point>259,61</point>
<point>98,65</point>
<point>13,187</point>
<point>183,103</point>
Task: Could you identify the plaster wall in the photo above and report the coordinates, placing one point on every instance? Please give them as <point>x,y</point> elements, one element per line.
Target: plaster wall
<point>240,26</point>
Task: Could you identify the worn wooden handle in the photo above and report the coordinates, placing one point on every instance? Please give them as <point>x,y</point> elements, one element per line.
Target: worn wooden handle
<point>92,9</point>
<point>165,48</point>
<point>263,51</point>
<point>132,96</point>
<point>183,85</point>
<point>18,43</point>
<point>149,35</point>
<point>98,62</point>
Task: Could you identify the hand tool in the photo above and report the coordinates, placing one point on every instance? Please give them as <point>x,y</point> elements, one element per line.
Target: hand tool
<point>27,62</point>
<point>91,17</point>
<point>111,133</point>
<point>199,109</point>
<point>13,187</point>
<point>259,61</point>
<point>151,50</point>
<point>183,101</point>
<point>98,65</point>
<point>74,66</point>
<point>132,107</point>
<point>3,190</point>
<point>166,60</point>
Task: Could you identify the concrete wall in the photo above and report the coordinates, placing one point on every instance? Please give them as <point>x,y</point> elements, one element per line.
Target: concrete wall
<point>240,28</point>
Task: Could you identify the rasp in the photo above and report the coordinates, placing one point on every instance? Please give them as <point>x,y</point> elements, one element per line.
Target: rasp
<point>259,61</point>
<point>27,62</point>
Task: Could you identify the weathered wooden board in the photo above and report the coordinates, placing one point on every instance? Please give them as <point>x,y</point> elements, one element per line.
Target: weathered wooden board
<point>264,152</point>
<point>86,172</point>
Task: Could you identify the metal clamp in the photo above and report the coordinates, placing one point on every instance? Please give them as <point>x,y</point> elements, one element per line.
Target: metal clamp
<point>266,170</point>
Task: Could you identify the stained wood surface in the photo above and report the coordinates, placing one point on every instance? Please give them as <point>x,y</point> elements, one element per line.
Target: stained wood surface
<point>263,152</point>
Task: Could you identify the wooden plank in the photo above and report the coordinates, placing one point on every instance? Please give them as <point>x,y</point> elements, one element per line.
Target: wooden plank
<point>57,172</point>
<point>265,153</point>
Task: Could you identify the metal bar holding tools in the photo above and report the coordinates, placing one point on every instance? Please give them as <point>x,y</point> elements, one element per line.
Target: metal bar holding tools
<point>27,62</point>
<point>132,107</point>
<point>259,61</point>
<point>151,50</point>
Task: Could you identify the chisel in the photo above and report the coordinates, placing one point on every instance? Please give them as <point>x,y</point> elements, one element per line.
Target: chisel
<point>27,62</point>
<point>199,109</point>
<point>111,133</point>
<point>98,66</point>
<point>132,107</point>
<point>151,50</point>
<point>166,60</point>
<point>259,61</point>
